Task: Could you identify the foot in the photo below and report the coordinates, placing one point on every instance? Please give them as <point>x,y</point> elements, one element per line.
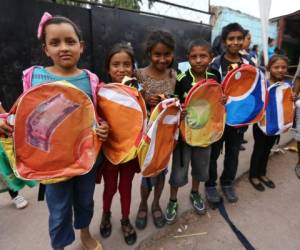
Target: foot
<point>229,193</point>
<point>20,202</point>
<point>212,195</point>
<point>265,180</point>
<point>141,217</point>
<point>297,170</point>
<point>88,242</point>
<point>171,212</point>
<point>128,232</point>
<point>256,184</point>
<point>158,216</point>
<point>197,202</point>
<point>105,226</point>
<point>242,148</point>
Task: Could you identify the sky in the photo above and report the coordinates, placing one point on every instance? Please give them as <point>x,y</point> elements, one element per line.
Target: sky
<point>278,8</point>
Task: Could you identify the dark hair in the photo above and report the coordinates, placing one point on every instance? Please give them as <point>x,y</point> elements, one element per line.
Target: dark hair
<point>117,48</point>
<point>159,36</point>
<point>59,20</point>
<point>230,28</point>
<point>246,32</point>
<point>199,43</point>
<point>275,58</point>
<point>270,40</point>
<point>254,47</point>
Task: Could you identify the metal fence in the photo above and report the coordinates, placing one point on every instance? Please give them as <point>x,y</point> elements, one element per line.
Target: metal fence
<point>101,26</point>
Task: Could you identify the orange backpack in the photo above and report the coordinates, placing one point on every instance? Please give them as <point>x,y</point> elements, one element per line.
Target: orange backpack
<point>124,109</point>
<point>158,142</point>
<point>205,120</point>
<point>54,132</point>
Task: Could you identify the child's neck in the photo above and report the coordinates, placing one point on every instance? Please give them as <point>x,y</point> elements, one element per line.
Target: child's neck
<point>65,72</point>
<point>235,58</point>
<point>199,76</point>
<point>154,72</point>
<point>273,80</point>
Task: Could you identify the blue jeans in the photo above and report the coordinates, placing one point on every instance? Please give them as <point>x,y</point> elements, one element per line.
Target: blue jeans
<point>76,193</point>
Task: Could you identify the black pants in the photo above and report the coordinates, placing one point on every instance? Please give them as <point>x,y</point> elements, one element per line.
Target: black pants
<point>13,194</point>
<point>261,151</point>
<point>233,139</point>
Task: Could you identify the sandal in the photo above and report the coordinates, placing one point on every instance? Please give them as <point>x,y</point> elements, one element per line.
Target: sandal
<point>128,232</point>
<point>141,221</point>
<point>98,247</point>
<point>105,226</point>
<point>159,221</point>
<point>267,182</point>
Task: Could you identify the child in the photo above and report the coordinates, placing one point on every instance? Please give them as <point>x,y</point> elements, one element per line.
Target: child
<point>199,56</point>
<point>263,143</point>
<point>119,63</point>
<point>62,42</point>
<point>233,36</point>
<point>18,200</point>
<point>157,79</point>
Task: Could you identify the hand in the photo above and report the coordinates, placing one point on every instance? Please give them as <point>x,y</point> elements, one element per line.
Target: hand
<point>223,99</point>
<point>154,100</point>
<point>5,128</point>
<point>183,114</point>
<point>102,131</point>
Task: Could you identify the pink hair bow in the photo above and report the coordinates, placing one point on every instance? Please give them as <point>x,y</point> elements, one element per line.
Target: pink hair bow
<point>46,16</point>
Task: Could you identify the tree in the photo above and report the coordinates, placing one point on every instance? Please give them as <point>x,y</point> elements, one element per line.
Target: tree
<point>128,4</point>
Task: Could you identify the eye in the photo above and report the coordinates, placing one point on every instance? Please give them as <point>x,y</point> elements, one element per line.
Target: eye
<point>53,42</point>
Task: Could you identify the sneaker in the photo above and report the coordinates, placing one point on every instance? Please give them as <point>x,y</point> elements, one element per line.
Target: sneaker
<point>212,195</point>
<point>229,193</point>
<point>20,202</point>
<point>171,212</point>
<point>197,202</point>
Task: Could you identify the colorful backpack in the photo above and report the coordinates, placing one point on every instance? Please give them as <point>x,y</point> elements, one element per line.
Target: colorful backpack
<point>158,142</point>
<point>279,113</point>
<point>8,180</point>
<point>246,90</point>
<point>205,120</point>
<point>54,132</point>
<point>124,109</point>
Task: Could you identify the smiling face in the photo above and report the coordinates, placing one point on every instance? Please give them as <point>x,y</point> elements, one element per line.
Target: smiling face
<point>199,58</point>
<point>120,65</point>
<point>234,42</point>
<point>62,45</point>
<point>278,70</point>
<point>161,56</point>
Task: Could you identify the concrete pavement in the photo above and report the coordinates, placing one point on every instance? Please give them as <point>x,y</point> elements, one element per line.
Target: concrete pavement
<point>27,229</point>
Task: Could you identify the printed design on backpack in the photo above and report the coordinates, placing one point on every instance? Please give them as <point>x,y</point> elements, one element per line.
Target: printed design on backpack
<point>246,90</point>
<point>45,118</point>
<point>159,141</point>
<point>205,120</point>
<point>279,113</point>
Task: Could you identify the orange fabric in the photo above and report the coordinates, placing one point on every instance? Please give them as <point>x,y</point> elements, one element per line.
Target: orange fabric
<point>157,146</point>
<point>54,135</point>
<point>124,109</point>
<point>240,83</point>
<point>288,116</point>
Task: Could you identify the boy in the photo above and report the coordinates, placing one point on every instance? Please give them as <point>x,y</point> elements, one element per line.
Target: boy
<point>233,36</point>
<point>199,56</point>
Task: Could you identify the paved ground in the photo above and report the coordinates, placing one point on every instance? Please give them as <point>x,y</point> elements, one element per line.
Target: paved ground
<point>270,220</point>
